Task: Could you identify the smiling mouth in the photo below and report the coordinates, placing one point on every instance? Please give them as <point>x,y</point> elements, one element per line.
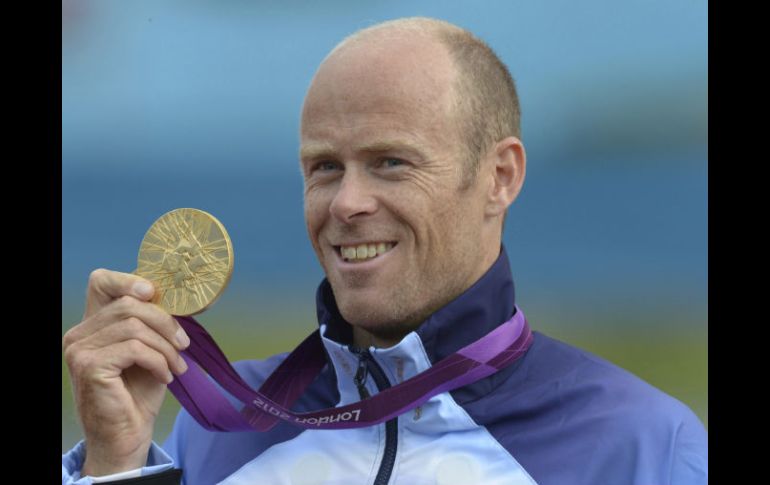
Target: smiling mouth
<point>363,252</point>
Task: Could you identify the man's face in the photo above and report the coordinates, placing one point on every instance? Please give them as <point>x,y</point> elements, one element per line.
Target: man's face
<point>396,234</point>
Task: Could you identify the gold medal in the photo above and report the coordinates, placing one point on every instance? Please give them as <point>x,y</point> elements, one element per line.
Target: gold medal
<point>188,256</point>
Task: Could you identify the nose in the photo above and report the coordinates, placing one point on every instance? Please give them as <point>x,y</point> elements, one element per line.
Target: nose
<point>354,198</point>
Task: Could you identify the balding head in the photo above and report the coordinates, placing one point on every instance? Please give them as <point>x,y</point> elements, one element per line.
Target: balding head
<point>407,174</point>
<point>484,102</point>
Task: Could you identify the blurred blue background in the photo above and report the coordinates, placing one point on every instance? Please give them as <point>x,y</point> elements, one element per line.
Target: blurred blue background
<point>196,104</point>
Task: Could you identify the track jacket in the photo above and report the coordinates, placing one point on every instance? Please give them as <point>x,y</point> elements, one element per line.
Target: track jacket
<point>557,416</point>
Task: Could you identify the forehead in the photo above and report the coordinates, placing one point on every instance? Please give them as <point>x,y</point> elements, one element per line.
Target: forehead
<point>392,84</point>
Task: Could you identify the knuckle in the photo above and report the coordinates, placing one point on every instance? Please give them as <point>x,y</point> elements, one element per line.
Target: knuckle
<point>135,346</point>
<point>96,276</point>
<point>161,360</point>
<point>126,303</point>
<point>135,324</point>
<point>69,355</point>
<point>77,361</point>
<point>67,340</point>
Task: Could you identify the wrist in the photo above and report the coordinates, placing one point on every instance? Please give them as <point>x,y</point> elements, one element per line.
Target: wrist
<point>98,465</point>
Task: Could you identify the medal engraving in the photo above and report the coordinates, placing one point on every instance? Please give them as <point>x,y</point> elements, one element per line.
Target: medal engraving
<point>188,256</point>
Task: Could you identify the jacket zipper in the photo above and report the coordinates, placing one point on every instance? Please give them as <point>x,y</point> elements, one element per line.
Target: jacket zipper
<point>367,365</point>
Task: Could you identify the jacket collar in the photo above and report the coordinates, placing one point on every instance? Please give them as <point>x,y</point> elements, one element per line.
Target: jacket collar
<point>482,307</point>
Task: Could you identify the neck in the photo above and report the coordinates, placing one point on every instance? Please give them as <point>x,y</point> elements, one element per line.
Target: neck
<point>364,339</point>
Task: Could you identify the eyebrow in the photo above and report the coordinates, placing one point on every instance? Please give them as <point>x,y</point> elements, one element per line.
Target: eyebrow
<point>316,151</point>
<point>325,150</point>
<point>387,146</point>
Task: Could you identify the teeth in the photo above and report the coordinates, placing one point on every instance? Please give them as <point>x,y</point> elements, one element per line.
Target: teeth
<point>349,253</point>
<point>364,251</point>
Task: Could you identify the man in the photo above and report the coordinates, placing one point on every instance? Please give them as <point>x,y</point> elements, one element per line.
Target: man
<point>411,155</point>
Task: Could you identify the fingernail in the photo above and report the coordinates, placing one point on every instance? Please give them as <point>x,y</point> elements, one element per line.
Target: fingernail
<point>182,365</point>
<point>143,289</point>
<point>182,339</point>
<point>169,378</point>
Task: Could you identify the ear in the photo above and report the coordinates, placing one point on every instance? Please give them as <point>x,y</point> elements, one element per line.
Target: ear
<point>509,162</point>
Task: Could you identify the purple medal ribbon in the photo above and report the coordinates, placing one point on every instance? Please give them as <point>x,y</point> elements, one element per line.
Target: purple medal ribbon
<point>263,409</point>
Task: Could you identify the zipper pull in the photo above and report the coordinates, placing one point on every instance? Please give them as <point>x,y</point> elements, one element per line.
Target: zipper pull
<point>361,373</point>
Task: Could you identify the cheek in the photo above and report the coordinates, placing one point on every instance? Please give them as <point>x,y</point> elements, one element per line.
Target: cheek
<point>454,224</point>
<point>314,216</point>
<point>422,200</point>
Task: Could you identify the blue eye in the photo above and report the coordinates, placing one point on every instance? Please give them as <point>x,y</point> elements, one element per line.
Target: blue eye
<point>326,166</point>
<point>392,162</point>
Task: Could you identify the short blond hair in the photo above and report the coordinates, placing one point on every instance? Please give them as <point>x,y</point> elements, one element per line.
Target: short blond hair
<point>486,103</point>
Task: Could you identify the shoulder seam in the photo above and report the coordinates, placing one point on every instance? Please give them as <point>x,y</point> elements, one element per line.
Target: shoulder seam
<point>674,451</point>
